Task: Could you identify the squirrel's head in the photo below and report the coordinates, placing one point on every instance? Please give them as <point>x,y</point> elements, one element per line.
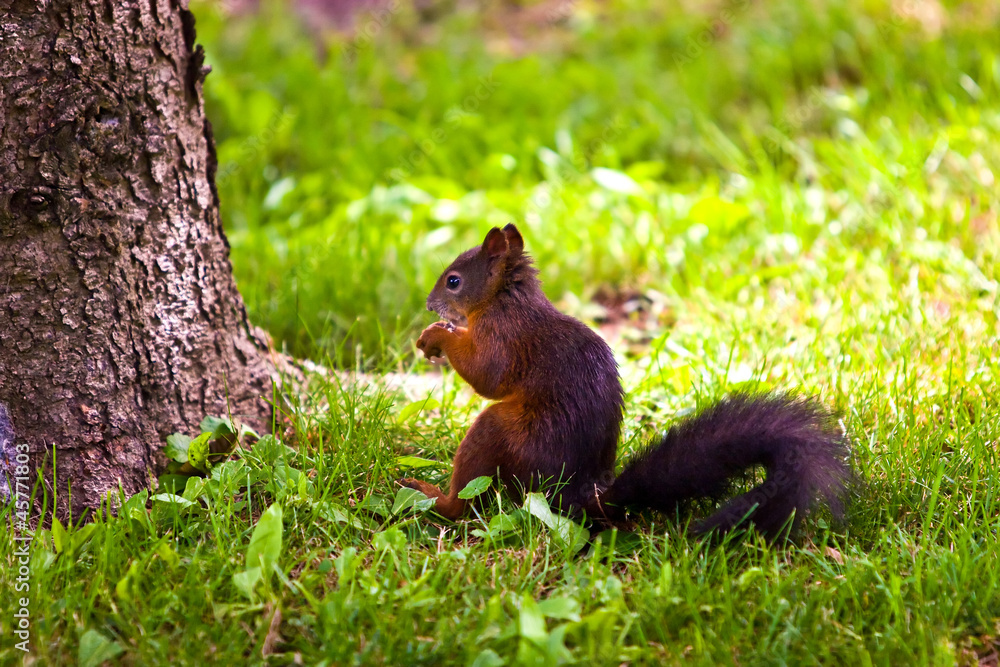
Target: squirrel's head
<point>476,276</point>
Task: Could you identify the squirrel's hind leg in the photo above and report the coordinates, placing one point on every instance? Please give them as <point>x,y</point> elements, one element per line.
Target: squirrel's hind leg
<point>483,451</point>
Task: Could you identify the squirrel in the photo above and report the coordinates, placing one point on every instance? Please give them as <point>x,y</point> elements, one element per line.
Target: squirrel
<point>559,413</point>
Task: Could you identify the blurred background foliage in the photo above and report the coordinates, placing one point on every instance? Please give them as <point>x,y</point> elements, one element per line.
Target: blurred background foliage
<point>712,152</point>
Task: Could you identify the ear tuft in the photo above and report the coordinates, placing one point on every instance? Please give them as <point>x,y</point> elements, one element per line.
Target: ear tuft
<point>514,239</point>
<point>495,244</point>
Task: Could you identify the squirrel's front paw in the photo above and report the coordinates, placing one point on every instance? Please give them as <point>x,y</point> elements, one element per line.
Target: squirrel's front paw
<point>431,339</point>
<point>429,348</point>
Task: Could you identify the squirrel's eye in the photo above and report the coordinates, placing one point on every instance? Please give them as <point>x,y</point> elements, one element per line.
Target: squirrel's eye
<point>454,282</point>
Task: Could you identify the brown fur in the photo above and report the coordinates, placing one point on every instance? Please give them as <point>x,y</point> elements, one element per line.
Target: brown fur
<point>516,348</point>
<point>559,411</point>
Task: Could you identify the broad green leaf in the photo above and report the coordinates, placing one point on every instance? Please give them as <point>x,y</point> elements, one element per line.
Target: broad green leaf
<point>538,507</point>
<point>376,504</point>
<point>487,658</point>
<point>530,622</point>
<point>444,210</point>
<point>459,555</point>
<point>749,578</point>
<point>666,581</point>
<point>646,170</point>
<point>216,426</point>
<point>407,498</point>
<point>172,483</point>
<point>229,471</point>
<point>476,487</point>
<point>616,181</point>
<point>269,449</point>
<point>303,486</point>
<point>563,608</point>
<point>60,538</point>
<point>610,589</point>
<point>277,192</point>
<point>198,452</point>
<point>194,488</point>
<point>502,523</point>
<point>168,555</point>
<point>96,649</point>
<point>265,543</point>
<point>137,501</point>
<point>177,447</point>
<point>392,539</point>
<point>572,535</point>
<point>172,499</point>
<point>556,651</point>
<point>717,214</point>
<point>346,564</point>
<point>82,535</point>
<point>413,409</point>
<point>333,512</point>
<point>134,511</point>
<point>226,433</point>
<point>417,462</point>
<point>246,580</point>
<point>123,589</point>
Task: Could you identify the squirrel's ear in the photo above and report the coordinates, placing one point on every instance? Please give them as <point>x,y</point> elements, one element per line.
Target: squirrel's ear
<point>514,239</point>
<point>495,244</point>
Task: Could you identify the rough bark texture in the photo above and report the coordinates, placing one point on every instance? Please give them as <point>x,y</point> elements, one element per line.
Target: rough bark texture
<point>120,322</point>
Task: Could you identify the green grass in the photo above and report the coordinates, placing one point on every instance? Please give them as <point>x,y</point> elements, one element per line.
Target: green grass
<point>349,181</point>
<point>809,204</point>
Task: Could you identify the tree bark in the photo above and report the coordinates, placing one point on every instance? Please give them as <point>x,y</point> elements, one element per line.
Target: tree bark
<point>120,322</point>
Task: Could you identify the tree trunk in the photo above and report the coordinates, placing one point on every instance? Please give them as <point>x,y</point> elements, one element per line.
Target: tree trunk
<point>120,322</point>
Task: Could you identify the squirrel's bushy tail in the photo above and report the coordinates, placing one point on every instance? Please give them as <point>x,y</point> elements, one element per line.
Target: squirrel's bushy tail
<point>794,439</point>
